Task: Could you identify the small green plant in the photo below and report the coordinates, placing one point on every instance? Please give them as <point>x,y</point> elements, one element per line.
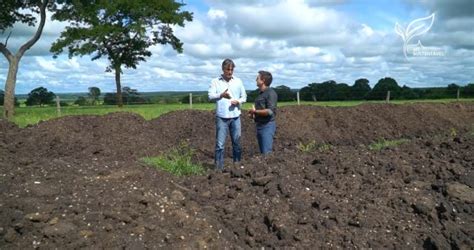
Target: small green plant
<point>381,144</point>
<point>307,147</point>
<point>324,147</point>
<point>453,132</point>
<point>177,161</point>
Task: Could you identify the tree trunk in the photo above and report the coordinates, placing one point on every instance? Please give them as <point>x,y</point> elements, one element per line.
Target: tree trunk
<point>119,86</point>
<point>9,101</point>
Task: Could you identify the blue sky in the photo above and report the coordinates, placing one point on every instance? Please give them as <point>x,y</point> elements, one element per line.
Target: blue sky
<point>299,41</point>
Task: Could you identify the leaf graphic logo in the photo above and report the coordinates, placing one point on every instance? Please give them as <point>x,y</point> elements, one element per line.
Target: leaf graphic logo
<point>416,28</point>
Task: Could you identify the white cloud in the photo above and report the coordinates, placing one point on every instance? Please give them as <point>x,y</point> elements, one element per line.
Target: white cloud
<point>215,14</point>
<point>164,73</point>
<point>298,41</point>
<point>48,65</point>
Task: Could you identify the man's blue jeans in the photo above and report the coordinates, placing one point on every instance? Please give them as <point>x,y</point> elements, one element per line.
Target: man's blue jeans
<point>265,133</point>
<point>223,125</point>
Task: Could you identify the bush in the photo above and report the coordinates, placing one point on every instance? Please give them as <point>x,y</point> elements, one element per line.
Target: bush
<point>81,101</point>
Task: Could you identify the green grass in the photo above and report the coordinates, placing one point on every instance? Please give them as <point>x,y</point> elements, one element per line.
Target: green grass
<point>382,144</point>
<point>312,146</point>
<point>355,103</point>
<point>177,161</point>
<point>31,115</point>
<point>307,147</point>
<point>324,147</point>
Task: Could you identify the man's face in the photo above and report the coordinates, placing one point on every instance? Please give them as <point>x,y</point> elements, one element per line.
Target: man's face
<point>259,81</point>
<point>228,71</point>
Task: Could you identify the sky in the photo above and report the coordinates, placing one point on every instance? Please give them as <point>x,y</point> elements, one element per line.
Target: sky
<point>298,41</point>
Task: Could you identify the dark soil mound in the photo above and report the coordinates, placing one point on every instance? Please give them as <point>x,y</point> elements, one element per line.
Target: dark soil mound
<point>78,182</point>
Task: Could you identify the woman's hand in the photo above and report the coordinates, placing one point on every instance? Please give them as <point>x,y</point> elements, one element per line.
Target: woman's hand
<point>252,112</point>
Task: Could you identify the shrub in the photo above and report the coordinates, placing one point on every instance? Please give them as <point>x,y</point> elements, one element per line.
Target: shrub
<point>81,101</point>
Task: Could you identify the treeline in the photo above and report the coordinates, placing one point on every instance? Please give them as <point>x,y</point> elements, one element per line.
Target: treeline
<point>361,90</point>
<point>325,91</point>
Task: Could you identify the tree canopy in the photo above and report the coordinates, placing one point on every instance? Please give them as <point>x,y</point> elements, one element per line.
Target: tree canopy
<point>360,89</point>
<point>40,96</point>
<point>379,92</point>
<point>94,93</point>
<point>120,30</point>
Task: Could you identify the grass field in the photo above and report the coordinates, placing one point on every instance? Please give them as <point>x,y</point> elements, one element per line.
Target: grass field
<point>31,115</point>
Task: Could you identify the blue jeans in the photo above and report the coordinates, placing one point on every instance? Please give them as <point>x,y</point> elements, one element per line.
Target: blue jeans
<point>222,126</point>
<point>265,133</point>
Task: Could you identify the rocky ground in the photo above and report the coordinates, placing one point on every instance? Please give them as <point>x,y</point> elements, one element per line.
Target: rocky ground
<point>78,181</point>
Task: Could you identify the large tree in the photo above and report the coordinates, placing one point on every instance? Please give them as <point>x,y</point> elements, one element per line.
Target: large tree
<point>12,12</point>
<point>379,92</point>
<point>120,30</point>
<point>360,89</point>
<point>40,96</point>
<point>94,93</point>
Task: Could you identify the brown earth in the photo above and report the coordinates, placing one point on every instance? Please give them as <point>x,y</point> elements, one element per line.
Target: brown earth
<point>77,182</point>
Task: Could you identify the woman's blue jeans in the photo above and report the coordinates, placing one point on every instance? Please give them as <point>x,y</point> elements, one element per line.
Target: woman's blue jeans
<point>265,133</point>
<point>223,125</point>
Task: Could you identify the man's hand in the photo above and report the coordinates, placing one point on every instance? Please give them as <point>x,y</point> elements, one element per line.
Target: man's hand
<point>225,94</point>
<point>235,102</point>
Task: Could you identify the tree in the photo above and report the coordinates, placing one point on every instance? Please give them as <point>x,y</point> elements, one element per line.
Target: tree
<point>40,96</point>
<point>2,98</point>
<point>284,93</point>
<point>110,99</point>
<point>468,90</point>
<point>408,93</point>
<point>121,30</point>
<point>342,92</point>
<point>360,89</point>
<point>379,92</point>
<point>451,90</point>
<point>307,93</point>
<point>129,96</point>
<point>94,93</point>
<point>81,101</point>
<point>10,13</point>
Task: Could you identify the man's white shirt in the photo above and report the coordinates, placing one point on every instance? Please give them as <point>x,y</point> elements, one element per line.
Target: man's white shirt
<point>235,88</point>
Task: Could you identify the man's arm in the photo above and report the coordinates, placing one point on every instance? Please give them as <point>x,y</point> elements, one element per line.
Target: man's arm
<point>212,93</point>
<point>243,94</point>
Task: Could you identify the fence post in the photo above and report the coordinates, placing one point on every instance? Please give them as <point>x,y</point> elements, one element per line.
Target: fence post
<point>58,106</point>
<point>191,100</point>
<point>458,94</point>
<point>298,97</point>
<point>387,100</point>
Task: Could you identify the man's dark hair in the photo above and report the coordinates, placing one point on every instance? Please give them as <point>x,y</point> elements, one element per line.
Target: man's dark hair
<point>228,62</point>
<point>266,77</point>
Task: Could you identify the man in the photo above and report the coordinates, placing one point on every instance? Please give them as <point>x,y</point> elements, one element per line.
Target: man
<point>264,111</point>
<point>229,94</point>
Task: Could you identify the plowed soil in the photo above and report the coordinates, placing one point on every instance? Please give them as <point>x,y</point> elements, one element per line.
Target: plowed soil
<point>78,182</point>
